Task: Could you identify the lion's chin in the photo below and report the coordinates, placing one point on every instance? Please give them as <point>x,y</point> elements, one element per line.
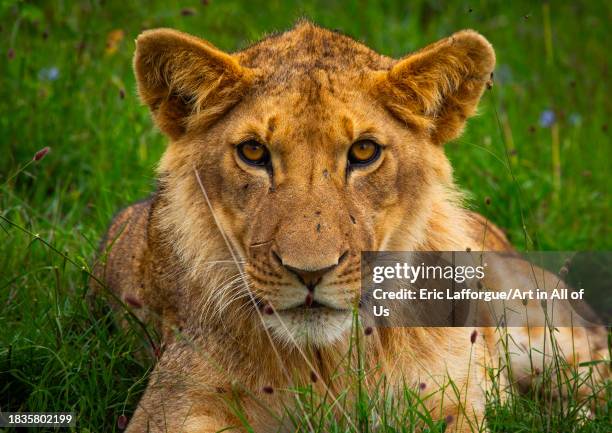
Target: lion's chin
<point>302,326</point>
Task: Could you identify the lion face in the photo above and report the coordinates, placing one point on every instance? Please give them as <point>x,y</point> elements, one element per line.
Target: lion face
<point>307,149</point>
<point>317,184</point>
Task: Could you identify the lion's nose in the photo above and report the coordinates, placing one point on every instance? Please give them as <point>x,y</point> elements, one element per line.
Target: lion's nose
<point>311,277</point>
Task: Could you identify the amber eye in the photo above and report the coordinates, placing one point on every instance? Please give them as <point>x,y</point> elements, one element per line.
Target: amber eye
<point>253,153</point>
<point>363,152</point>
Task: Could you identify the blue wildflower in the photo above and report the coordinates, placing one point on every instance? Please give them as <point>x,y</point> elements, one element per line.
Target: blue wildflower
<point>48,74</point>
<point>547,118</point>
<point>575,119</point>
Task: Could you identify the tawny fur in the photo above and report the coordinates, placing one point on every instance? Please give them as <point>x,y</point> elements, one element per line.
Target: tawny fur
<point>306,94</point>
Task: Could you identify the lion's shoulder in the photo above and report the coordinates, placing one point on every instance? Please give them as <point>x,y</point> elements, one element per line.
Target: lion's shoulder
<point>122,252</point>
<point>486,235</point>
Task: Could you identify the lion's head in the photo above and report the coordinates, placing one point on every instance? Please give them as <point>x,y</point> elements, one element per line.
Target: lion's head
<point>304,150</point>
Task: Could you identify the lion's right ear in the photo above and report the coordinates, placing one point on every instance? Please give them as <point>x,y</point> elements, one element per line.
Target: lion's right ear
<point>185,79</point>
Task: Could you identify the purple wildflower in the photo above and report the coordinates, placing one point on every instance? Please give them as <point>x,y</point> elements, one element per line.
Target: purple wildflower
<point>547,118</point>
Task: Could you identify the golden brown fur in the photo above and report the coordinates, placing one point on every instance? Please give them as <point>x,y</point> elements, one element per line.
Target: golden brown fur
<point>234,332</point>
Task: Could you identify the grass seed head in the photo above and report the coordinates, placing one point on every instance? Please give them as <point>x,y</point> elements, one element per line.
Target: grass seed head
<point>122,422</point>
<point>313,377</point>
<point>41,153</point>
<point>133,301</point>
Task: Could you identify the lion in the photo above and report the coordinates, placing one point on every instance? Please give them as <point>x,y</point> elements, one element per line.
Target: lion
<point>285,161</point>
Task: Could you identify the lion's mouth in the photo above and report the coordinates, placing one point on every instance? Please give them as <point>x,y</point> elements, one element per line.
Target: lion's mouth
<point>317,323</point>
<point>314,307</point>
<point>308,305</point>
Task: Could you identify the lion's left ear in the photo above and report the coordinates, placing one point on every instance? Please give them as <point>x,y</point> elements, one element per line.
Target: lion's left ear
<point>438,87</point>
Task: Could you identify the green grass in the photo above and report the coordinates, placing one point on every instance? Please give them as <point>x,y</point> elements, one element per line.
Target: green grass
<point>55,355</point>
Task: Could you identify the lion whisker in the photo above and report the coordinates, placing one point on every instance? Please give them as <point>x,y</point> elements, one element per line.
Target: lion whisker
<point>259,314</point>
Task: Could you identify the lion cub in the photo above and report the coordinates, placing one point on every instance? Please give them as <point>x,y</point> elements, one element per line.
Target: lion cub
<point>285,161</point>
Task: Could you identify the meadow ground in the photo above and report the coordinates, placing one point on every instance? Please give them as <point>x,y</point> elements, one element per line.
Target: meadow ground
<point>536,161</point>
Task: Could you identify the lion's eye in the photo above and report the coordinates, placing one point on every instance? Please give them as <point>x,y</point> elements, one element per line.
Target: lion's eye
<point>363,152</point>
<point>254,153</point>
